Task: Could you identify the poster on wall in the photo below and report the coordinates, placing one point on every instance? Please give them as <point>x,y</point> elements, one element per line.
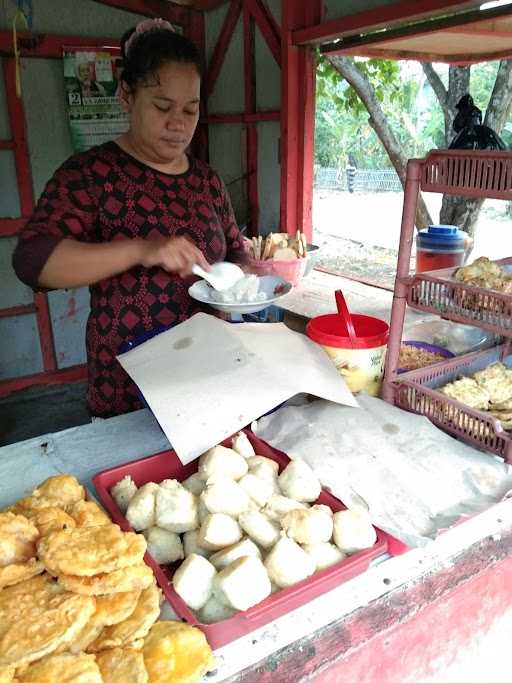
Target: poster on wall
<point>91,78</point>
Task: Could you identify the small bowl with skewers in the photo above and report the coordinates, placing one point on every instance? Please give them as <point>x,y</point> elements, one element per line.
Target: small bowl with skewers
<point>279,254</point>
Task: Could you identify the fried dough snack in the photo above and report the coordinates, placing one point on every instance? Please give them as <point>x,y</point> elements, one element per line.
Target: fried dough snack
<point>84,638</point>
<point>18,538</point>
<point>51,519</point>
<point>64,487</point>
<point>59,491</point>
<point>135,626</point>
<point>88,551</point>
<point>15,573</point>
<point>124,665</point>
<point>7,674</point>
<point>36,616</point>
<point>496,379</point>
<point>116,607</point>
<point>467,391</point>
<point>63,668</point>
<point>135,578</point>
<point>176,652</point>
<point>88,513</point>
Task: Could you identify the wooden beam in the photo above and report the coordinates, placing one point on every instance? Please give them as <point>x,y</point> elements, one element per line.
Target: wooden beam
<point>17,310</point>
<point>200,144</point>
<point>44,325</point>
<point>251,133</point>
<point>76,373</point>
<point>16,114</point>
<point>268,27</point>
<point>7,144</point>
<point>221,46</point>
<point>421,28</point>
<point>49,46</point>
<point>174,13</point>
<point>297,118</point>
<point>207,5</point>
<point>17,124</point>
<point>380,17</point>
<point>255,117</point>
<point>461,59</point>
<point>9,227</point>
<point>477,31</point>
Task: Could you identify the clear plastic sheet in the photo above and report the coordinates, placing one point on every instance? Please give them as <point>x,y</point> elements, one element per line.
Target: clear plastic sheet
<point>415,479</point>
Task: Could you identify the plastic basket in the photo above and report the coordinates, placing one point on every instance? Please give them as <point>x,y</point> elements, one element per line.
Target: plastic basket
<point>436,292</point>
<point>416,391</point>
<point>468,173</point>
<point>291,271</point>
<point>167,465</point>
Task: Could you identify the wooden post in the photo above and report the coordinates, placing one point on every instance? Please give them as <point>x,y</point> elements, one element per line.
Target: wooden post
<point>251,160</point>
<point>297,118</point>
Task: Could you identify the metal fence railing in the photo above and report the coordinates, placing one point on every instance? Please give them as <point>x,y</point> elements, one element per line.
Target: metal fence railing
<point>385,180</point>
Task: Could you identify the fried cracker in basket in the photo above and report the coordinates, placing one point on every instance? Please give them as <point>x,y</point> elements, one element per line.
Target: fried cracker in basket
<point>496,379</point>
<point>88,551</point>
<point>467,391</point>
<point>484,274</point>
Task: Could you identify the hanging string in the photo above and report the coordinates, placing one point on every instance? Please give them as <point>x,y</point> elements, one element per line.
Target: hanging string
<point>17,56</point>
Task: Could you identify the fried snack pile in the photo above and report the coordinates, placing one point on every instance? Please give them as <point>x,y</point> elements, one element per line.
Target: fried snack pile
<point>412,358</point>
<point>486,274</point>
<point>488,390</point>
<point>77,602</point>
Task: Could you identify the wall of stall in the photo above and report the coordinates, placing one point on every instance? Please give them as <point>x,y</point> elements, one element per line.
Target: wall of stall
<point>49,145</point>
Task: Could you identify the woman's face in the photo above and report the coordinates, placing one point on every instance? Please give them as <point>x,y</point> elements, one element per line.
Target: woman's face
<point>164,113</point>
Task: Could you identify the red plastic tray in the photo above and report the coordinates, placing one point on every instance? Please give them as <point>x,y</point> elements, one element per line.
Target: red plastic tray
<point>166,465</point>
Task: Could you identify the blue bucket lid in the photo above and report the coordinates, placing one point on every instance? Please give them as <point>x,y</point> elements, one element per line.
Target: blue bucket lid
<point>446,235</point>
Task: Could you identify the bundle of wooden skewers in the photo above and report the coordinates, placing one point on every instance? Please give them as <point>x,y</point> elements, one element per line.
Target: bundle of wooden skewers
<point>279,246</point>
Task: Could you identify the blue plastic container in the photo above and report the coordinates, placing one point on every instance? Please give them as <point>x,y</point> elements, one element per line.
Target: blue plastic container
<point>440,246</point>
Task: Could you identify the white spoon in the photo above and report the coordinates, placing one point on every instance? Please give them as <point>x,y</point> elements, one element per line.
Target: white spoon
<point>222,275</point>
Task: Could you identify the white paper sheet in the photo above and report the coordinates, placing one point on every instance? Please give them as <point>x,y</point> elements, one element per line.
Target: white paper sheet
<point>205,378</point>
<point>415,479</point>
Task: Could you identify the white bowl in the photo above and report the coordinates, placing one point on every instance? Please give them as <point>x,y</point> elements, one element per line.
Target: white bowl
<point>273,287</point>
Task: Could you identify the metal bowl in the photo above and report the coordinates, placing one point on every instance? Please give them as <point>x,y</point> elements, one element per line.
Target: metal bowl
<point>313,251</point>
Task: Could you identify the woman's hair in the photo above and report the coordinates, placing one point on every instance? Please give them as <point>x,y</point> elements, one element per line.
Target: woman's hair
<point>144,52</point>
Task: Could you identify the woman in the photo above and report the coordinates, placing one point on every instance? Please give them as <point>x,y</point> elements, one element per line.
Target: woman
<point>130,218</point>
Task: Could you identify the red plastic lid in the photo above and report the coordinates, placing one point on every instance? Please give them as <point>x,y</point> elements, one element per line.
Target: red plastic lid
<point>331,330</point>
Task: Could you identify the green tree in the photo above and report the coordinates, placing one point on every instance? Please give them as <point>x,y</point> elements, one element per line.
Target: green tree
<point>391,104</point>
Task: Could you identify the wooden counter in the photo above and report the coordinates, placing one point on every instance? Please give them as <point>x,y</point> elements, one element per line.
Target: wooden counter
<point>431,615</point>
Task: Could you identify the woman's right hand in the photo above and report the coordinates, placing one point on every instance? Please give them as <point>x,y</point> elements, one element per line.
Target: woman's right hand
<point>173,254</point>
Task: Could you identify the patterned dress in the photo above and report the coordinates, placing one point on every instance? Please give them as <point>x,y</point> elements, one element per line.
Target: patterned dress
<point>105,194</point>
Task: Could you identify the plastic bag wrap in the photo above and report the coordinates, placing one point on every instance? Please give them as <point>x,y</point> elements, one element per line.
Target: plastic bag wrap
<point>471,134</point>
